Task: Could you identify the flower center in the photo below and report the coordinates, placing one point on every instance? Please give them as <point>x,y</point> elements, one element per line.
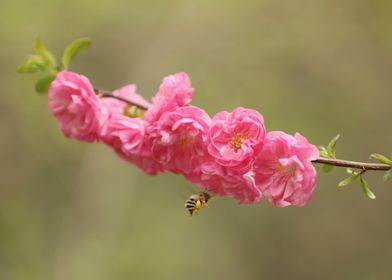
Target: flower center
<point>185,141</point>
<point>236,141</point>
<point>286,170</point>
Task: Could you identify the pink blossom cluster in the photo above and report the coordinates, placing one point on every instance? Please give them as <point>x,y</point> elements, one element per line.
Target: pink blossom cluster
<point>230,154</point>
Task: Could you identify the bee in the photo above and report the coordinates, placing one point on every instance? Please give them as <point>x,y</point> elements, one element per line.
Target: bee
<point>196,201</point>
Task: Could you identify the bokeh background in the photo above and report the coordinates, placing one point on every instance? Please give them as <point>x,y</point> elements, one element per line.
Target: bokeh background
<point>70,210</point>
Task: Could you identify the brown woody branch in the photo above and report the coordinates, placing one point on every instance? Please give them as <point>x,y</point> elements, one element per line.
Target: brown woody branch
<point>353,164</point>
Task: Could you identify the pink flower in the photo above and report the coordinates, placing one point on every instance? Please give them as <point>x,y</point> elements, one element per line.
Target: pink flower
<point>73,102</point>
<point>124,134</point>
<point>283,169</point>
<point>175,91</point>
<point>178,139</point>
<point>128,92</point>
<point>127,137</point>
<point>235,138</point>
<point>213,177</point>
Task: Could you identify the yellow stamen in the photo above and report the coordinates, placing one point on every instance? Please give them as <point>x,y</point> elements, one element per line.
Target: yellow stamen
<point>288,170</point>
<point>236,141</point>
<point>185,141</point>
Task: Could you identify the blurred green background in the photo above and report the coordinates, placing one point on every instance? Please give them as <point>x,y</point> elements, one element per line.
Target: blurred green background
<point>70,210</point>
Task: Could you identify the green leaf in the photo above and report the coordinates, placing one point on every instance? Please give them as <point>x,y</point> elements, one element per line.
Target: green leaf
<point>327,168</point>
<point>381,158</point>
<point>73,49</point>
<point>351,171</point>
<point>366,188</point>
<point>323,151</point>
<point>348,180</point>
<point>46,55</point>
<point>332,145</point>
<point>388,175</point>
<point>33,64</point>
<point>43,84</point>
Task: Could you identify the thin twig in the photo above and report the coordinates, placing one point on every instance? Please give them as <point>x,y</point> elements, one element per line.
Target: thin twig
<point>353,164</point>
<point>106,94</point>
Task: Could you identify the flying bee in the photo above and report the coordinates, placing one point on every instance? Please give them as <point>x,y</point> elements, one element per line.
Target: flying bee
<point>196,201</point>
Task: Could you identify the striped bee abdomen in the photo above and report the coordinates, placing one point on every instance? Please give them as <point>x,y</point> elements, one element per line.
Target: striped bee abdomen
<point>191,205</point>
<point>196,201</point>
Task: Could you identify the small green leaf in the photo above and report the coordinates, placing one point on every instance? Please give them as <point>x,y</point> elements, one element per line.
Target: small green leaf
<point>323,151</point>
<point>133,111</point>
<point>46,55</point>
<point>351,171</point>
<point>332,145</point>
<point>73,49</point>
<point>33,64</point>
<point>348,180</point>
<point>327,168</point>
<point>366,188</point>
<point>43,84</point>
<point>388,175</point>
<point>381,158</point>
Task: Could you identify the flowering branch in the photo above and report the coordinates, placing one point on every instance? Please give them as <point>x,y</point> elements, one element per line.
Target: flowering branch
<point>230,154</point>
